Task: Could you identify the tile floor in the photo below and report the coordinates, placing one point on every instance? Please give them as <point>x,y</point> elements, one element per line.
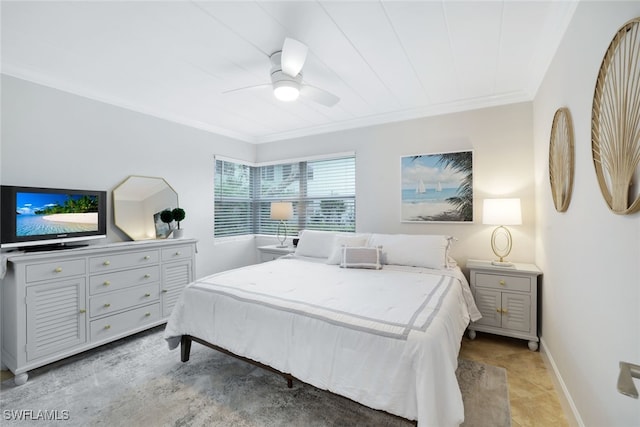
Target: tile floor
<point>533,397</point>
<point>534,400</point>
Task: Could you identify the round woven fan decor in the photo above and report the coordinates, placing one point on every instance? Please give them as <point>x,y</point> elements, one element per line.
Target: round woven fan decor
<point>561,159</point>
<point>615,122</point>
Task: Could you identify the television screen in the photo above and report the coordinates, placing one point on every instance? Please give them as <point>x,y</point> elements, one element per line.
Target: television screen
<point>51,216</point>
<point>51,213</point>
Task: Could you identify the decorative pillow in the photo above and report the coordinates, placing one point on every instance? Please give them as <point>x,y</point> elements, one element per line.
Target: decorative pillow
<point>313,243</point>
<point>361,257</point>
<point>343,239</point>
<point>416,250</point>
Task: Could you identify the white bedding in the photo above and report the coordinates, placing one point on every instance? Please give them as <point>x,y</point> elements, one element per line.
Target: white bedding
<point>388,338</point>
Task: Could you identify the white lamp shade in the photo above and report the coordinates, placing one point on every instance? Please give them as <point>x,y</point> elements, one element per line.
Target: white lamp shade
<point>501,212</point>
<point>281,210</point>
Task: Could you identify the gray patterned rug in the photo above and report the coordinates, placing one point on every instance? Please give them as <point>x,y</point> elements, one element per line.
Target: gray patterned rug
<point>138,382</point>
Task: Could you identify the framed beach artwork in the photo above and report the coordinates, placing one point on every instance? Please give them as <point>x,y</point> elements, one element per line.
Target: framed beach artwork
<point>437,187</point>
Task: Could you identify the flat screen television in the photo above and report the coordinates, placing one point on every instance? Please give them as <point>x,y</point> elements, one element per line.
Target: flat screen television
<point>50,218</point>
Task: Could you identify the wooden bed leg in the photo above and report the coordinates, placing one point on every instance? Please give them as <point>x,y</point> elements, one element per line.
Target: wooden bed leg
<point>185,348</point>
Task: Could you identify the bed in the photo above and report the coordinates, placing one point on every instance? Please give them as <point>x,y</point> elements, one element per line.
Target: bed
<point>375,318</point>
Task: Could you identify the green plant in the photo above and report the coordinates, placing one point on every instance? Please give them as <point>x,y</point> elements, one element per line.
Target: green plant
<point>166,216</point>
<point>178,215</point>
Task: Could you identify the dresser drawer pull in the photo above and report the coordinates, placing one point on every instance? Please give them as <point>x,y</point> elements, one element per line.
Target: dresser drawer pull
<point>502,282</point>
<point>82,311</point>
<point>146,276</point>
<point>147,314</point>
<point>58,270</point>
<point>106,262</point>
<point>178,253</point>
<point>107,305</point>
<point>164,291</point>
<point>147,294</point>
<point>147,257</point>
<point>107,326</point>
<point>106,283</point>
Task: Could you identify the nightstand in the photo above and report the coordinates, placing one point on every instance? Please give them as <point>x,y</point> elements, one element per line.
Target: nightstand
<point>271,252</point>
<point>507,297</point>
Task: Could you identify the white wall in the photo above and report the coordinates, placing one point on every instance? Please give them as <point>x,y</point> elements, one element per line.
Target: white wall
<point>500,137</point>
<point>55,139</point>
<point>590,256</point>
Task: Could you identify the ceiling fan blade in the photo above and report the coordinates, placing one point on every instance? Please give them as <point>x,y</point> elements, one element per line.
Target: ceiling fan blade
<point>294,53</point>
<point>262,86</point>
<point>318,95</point>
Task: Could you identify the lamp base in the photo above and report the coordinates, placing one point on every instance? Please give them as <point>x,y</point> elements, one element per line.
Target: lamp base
<point>502,263</point>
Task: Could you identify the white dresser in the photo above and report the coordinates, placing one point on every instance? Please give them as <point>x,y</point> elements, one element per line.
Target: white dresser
<point>59,303</point>
<point>507,298</point>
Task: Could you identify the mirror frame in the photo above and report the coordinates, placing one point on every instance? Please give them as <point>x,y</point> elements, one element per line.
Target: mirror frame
<point>142,222</point>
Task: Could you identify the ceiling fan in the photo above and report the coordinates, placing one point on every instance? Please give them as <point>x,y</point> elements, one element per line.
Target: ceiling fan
<point>286,76</point>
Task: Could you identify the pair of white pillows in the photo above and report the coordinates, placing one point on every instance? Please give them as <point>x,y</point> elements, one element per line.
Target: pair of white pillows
<point>416,250</point>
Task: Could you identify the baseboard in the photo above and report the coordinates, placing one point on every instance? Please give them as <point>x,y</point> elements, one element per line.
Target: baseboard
<point>568,406</point>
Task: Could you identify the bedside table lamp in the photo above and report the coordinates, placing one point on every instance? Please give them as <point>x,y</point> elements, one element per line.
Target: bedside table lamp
<point>281,211</point>
<point>501,212</point>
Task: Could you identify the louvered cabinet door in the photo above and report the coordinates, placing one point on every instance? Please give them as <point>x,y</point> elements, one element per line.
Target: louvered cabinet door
<point>489,303</point>
<point>516,312</point>
<point>175,276</point>
<point>56,317</point>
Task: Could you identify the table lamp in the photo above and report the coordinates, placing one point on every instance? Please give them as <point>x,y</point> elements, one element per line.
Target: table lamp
<point>281,211</point>
<point>501,212</point>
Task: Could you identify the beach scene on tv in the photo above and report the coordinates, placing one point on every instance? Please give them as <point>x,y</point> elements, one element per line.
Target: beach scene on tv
<point>49,213</point>
<point>437,187</point>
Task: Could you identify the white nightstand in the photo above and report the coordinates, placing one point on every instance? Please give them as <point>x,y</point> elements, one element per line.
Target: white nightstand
<point>507,297</point>
<point>271,252</point>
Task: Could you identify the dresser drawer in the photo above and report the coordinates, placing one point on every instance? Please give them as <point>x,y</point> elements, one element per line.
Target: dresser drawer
<point>111,262</point>
<point>129,320</point>
<point>123,279</point>
<point>177,252</point>
<point>55,270</point>
<point>501,281</point>
<point>115,301</point>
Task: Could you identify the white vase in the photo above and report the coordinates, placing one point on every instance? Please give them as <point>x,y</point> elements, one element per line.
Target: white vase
<point>177,233</point>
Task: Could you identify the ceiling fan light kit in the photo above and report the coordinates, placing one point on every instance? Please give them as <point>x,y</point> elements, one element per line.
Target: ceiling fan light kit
<point>286,76</point>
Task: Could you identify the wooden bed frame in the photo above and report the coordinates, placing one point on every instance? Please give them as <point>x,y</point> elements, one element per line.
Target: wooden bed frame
<point>185,351</point>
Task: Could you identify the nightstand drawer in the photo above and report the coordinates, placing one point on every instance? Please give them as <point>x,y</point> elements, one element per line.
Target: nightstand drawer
<point>501,281</point>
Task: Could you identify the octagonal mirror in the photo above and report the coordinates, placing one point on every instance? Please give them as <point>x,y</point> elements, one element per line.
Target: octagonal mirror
<point>137,203</point>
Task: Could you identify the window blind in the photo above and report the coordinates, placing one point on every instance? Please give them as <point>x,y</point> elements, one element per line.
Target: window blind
<point>322,193</point>
<point>233,199</point>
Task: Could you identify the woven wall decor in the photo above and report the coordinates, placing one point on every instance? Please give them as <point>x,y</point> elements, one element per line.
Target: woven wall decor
<point>561,159</point>
<point>615,121</point>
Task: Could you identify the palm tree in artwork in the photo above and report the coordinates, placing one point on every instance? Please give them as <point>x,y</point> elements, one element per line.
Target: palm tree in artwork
<point>463,200</point>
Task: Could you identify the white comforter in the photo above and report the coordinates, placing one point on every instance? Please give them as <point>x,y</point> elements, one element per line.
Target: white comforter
<point>388,339</point>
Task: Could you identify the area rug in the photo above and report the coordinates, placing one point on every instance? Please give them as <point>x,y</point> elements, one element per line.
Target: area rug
<point>137,381</point>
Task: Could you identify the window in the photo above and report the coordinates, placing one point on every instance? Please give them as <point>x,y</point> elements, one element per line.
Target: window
<point>322,192</point>
<point>233,189</point>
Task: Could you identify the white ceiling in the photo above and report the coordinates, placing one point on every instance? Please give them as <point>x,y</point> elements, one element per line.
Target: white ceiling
<point>386,60</point>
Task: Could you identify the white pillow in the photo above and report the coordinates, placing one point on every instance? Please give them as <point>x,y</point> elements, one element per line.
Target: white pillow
<point>313,243</point>
<point>340,240</point>
<point>416,250</point>
<point>361,257</point>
